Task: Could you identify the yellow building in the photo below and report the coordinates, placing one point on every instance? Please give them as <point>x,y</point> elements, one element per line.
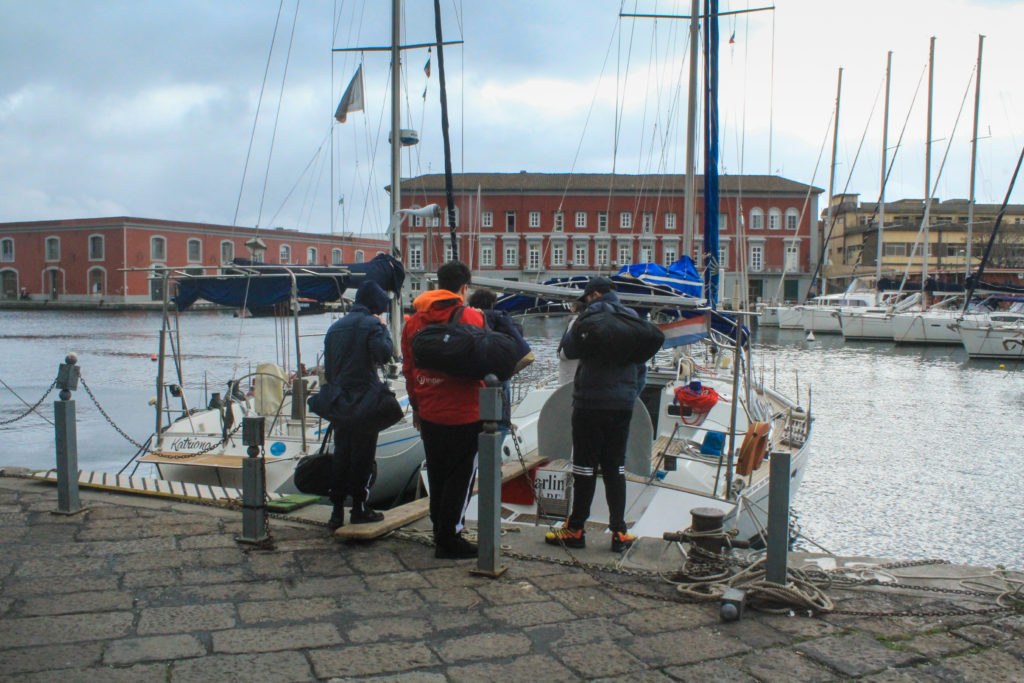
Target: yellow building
<point>852,241</point>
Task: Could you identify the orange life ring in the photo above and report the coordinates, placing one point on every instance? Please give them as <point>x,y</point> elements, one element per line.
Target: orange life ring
<point>753,449</point>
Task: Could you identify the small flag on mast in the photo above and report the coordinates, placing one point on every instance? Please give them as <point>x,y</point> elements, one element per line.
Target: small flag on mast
<point>352,100</point>
<point>426,67</point>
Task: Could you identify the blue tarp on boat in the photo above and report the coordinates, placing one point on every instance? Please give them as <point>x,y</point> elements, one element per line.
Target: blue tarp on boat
<point>273,285</point>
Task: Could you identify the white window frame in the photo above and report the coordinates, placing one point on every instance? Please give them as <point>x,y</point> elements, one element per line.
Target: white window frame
<point>557,254</point>
<point>534,219</point>
<point>723,222</point>
<point>774,219</point>
<point>103,248</point>
<point>360,256</point>
<point>510,221</point>
<point>756,257</point>
<point>103,275</point>
<point>792,257</point>
<point>188,250</point>
<point>231,248</point>
<point>7,250</point>
<point>311,255</point>
<point>51,255</point>
<point>447,222</point>
<point>487,219</point>
<point>533,256</point>
<point>723,256</point>
<point>625,220</point>
<point>756,219</point>
<point>511,256</point>
<point>581,219</point>
<point>647,222</point>
<point>670,220</point>
<point>579,255</point>
<point>284,253</point>
<point>601,255</point>
<point>153,241</point>
<point>795,216</point>
<point>646,253</point>
<point>668,256</point>
<point>416,257</point>
<point>417,221</point>
<point>624,254</point>
<point>558,224</point>
<point>448,255</point>
<point>602,221</point>
<point>486,255</point>
<point>336,256</point>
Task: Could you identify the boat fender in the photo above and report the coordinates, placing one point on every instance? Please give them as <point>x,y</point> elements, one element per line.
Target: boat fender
<point>753,449</point>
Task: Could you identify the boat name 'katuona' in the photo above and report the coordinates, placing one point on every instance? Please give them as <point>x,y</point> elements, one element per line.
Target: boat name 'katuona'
<point>191,444</point>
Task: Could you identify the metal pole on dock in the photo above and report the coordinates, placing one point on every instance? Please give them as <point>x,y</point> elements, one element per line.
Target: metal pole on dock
<point>66,438</point>
<point>254,507</point>
<point>492,399</point>
<point>778,517</point>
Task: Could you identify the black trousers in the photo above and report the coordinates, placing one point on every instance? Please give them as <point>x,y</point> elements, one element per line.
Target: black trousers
<point>451,467</point>
<point>599,445</point>
<point>352,465</point>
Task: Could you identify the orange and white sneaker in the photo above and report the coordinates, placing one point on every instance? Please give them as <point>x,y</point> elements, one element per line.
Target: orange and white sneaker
<point>621,541</point>
<point>570,538</point>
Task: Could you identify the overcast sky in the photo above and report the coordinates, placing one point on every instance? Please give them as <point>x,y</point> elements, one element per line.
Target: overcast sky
<point>145,108</point>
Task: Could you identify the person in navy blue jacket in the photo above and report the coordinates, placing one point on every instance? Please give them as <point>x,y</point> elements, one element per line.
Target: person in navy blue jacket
<point>602,407</point>
<point>354,348</point>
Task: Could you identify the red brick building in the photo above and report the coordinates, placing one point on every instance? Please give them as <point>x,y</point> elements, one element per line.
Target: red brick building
<point>535,226</point>
<point>83,259</point>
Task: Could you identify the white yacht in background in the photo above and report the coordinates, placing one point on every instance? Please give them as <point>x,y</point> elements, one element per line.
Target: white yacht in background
<point>1000,334</point>
<point>817,314</point>
<point>873,323</point>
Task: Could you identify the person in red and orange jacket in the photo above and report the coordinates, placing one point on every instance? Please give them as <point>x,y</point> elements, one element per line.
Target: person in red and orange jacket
<point>446,410</point>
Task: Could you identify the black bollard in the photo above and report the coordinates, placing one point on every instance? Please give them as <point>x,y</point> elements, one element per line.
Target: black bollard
<point>488,505</point>
<point>254,507</point>
<point>66,438</point>
<point>778,518</point>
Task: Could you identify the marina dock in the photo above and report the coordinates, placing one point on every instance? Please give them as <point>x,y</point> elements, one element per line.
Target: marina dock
<point>153,589</point>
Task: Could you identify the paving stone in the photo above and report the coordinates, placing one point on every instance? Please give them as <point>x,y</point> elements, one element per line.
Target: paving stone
<point>719,671</point>
<point>272,565</point>
<point>530,613</point>
<point>140,673</point>
<point>684,647</point>
<point>297,637</point>
<point>153,648</point>
<point>452,576</point>
<point>983,635</point>
<point>219,557</point>
<point>375,658</point>
<point>411,677</point>
<point>143,546</point>
<point>528,669</point>
<point>457,621</point>
<point>211,540</point>
<point>598,659</point>
<point>459,596</point>
<point>64,567</point>
<point>645,676</point>
<point>271,668</point>
<point>567,580</point>
<point>589,602</point>
<point>527,569</point>
<point>990,665</point>
<point>784,665</point>
<point>93,601</point>
<point>384,583</point>
<point>375,561</point>
<point>799,628</point>
<point>754,633</point>
<point>483,646</point>
<point>224,574</point>
<point>286,610</point>
<point>1014,622</point>
<point>937,644</point>
<point>218,592</point>
<point>926,673</point>
<point>856,654</point>
<point>68,628</point>
<point>577,633</point>
<point>186,619</point>
<point>382,604</point>
<point>340,586</point>
<point>23,588</point>
<point>148,579</point>
<point>115,512</point>
<point>147,561</point>
<point>511,592</point>
<point>48,658</point>
<point>416,557</point>
<point>326,562</point>
<point>671,618</point>
<point>372,630</point>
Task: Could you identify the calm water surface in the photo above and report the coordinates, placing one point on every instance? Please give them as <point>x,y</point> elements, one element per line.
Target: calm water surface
<point>914,450</point>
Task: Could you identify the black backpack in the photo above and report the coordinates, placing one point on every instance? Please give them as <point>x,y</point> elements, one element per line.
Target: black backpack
<point>616,337</point>
<point>465,350</point>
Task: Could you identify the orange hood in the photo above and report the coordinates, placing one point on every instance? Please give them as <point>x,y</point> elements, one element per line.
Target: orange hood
<point>427,299</point>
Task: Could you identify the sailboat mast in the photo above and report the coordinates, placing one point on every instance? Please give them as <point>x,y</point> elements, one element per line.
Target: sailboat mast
<point>974,162</point>
<point>395,309</point>
<point>928,165</point>
<point>691,132</point>
<point>831,174</point>
<point>881,193</point>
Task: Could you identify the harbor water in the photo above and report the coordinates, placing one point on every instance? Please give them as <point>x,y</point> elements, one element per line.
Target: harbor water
<point>914,450</point>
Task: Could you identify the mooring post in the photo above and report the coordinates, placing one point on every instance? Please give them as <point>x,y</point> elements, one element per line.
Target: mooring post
<point>254,507</point>
<point>66,438</point>
<point>492,399</point>
<point>778,517</point>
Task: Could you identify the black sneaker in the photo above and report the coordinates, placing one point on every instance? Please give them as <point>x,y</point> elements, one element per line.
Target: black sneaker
<point>337,520</point>
<point>459,549</point>
<point>365,516</point>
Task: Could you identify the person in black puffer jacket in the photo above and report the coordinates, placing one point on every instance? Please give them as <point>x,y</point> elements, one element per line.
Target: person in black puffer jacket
<point>354,348</point>
<point>602,407</point>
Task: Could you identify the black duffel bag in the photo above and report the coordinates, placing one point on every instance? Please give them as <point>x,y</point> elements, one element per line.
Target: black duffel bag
<point>466,350</point>
<point>370,407</point>
<point>616,337</point>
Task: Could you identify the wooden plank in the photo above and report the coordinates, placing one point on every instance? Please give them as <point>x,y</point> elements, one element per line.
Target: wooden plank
<point>398,517</point>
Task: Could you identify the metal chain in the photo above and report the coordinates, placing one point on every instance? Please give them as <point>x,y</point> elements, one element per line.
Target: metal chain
<point>110,421</point>
<point>32,408</point>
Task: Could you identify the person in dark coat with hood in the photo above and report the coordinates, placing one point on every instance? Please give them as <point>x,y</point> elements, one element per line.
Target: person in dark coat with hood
<point>354,348</point>
<point>602,407</point>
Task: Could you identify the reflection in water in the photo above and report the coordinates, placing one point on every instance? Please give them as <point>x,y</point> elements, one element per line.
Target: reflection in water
<point>914,451</point>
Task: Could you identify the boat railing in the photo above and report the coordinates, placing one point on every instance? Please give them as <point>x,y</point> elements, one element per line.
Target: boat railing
<point>796,428</point>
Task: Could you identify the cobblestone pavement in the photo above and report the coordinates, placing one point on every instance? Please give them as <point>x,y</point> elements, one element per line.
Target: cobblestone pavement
<point>139,589</point>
